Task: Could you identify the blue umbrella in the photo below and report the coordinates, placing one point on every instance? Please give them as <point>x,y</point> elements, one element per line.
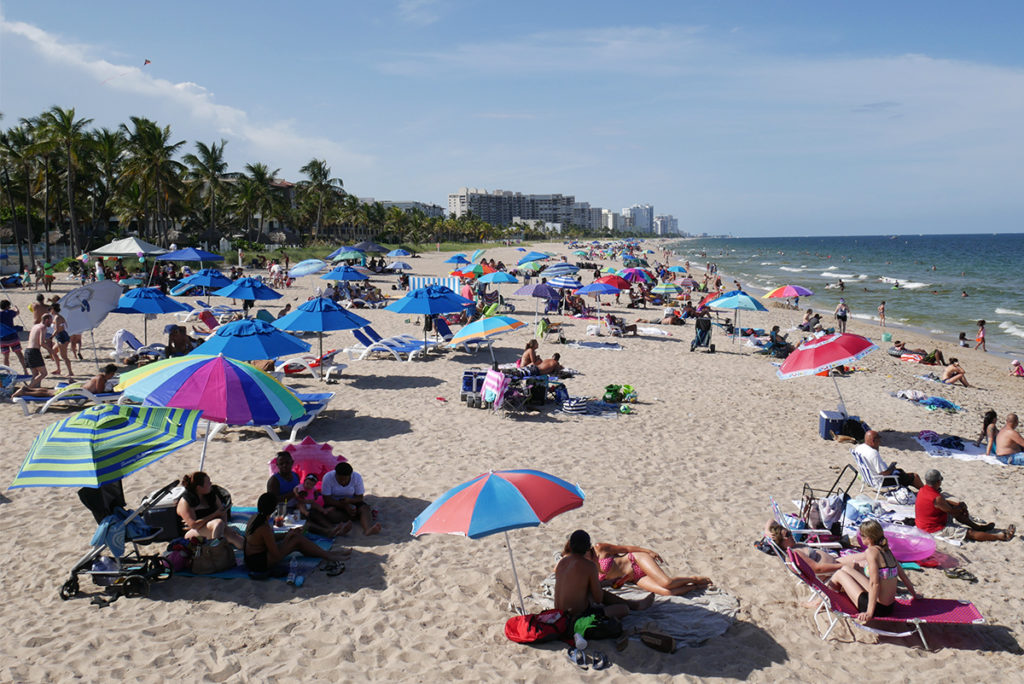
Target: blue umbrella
<point>532,256</point>
<point>560,269</point>
<point>737,300</point>
<point>497,277</point>
<point>344,272</point>
<point>248,288</point>
<point>307,267</point>
<point>369,246</point>
<point>338,251</point>
<point>428,301</point>
<point>677,269</point>
<point>456,259</point>
<point>520,249</point>
<point>598,289</point>
<point>318,315</point>
<point>207,277</point>
<point>399,266</point>
<point>148,300</point>
<point>564,282</point>
<point>190,254</point>
<point>251,340</point>
<point>397,253</point>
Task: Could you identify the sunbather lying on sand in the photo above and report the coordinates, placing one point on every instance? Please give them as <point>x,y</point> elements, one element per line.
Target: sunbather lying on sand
<point>619,565</point>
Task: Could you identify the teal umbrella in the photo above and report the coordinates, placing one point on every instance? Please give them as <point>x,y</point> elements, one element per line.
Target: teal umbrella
<point>104,444</point>
<point>737,300</point>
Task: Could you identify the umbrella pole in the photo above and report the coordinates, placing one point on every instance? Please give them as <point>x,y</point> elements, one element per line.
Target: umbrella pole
<point>320,338</point>
<point>508,544</point>
<point>206,439</point>
<point>842,404</point>
<point>95,352</point>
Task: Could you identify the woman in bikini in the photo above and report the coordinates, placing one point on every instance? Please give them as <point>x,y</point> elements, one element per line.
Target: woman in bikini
<point>530,358</point>
<point>264,553</point>
<point>875,595</point>
<point>618,565</point>
<point>61,338</point>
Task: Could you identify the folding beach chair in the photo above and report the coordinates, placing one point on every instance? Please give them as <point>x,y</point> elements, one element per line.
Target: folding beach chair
<point>836,607</point>
<point>322,367</point>
<point>800,531</point>
<point>702,334</point>
<point>65,397</point>
<point>879,484</point>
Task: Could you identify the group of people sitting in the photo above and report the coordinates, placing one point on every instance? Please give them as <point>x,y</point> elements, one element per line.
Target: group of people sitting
<point>533,364</point>
<point>328,510</point>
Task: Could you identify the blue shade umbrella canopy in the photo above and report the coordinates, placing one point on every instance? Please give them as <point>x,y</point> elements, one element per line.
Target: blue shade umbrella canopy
<point>104,444</point>
<point>307,267</point>
<point>399,266</point>
<point>561,268</point>
<point>369,246</point>
<point>251,340</point>
<point>343,273</point>
<point>207,277</point>
<point>148,300</point>
<point>565,282</point>
<point>737,299</point>
<point>532,256</point>
<point>190,254</point>
<point>497,277</point>
<point>456,259</point>
<point>677,269</point>
<point>395,253</point>
<point>539,290</point>
<point>248,288</point>
<point>350,255</point>
<point>598,289</point>
<point>433,299</point>
<point>318,315</point>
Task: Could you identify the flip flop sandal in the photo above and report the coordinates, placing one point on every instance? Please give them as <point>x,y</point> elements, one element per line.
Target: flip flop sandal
<point>962,573</point>
<point>599,661</point>
<point>577,658</point>
<point>335,569</point>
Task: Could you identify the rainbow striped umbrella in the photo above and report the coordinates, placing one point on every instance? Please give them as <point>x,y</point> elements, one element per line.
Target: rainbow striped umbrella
<point>225,390</point>
<point>635,275</point>
<point>484,328</point>
<point>104,444</point>
<point>789,291</point>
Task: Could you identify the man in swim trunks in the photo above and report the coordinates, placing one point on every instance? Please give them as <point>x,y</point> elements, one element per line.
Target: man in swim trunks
<point>33,350</point>
<point>937,515</point>
<point>954,373</point>
<point>1010,443</point>
<point>869,452</point>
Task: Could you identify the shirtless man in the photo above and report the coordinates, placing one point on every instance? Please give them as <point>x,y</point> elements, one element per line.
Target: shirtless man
<point>954,373</point>
<point>33,350</point>
<point>1010,443</point>
<point>39,309</point>
<point>98,383</point>
<point>578,592</point>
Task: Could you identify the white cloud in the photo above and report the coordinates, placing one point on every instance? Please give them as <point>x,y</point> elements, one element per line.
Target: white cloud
<point>279,140</point>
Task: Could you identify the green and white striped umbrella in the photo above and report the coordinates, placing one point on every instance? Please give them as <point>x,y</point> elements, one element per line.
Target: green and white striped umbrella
<point>105,443</point>
<point>666,289</point>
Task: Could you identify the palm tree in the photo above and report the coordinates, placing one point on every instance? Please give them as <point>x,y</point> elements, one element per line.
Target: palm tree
<point>60,126</point>
<point>260,177</point>
<point>319,186</point>
<point>14,155</point>
<point>106,162</point>
<point>207,168</point>
<point>151,164</point>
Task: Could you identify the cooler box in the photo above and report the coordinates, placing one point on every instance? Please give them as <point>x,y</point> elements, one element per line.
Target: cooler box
<point>830,422</point>
<point>165,516</point>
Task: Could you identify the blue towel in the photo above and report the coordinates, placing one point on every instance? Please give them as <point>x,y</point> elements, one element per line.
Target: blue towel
<point>113,533</point>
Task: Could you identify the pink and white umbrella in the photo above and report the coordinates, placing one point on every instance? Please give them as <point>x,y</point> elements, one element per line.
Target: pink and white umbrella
<point>822,353</point>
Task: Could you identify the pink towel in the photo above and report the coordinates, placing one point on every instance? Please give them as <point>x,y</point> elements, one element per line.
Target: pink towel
<point>495,384</point>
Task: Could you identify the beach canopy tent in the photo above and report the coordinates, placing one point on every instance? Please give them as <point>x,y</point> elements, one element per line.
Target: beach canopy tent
<point>128,247</point>
<point>190,254</point>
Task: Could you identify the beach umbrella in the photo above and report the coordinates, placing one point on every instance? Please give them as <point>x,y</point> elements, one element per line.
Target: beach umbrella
<point>533,256</point>
<point>250,340</point>
<point>529,266</point>
<point>399,266</point>
<point>398,253</point>
<point>614,280</point>
<point>350,255</point>
<point>247,288</point>
<point>687,282</point>
<point>610,270</point>
<point>476,270</point>
<point>596,288</point>
<point>634,275</point>
<point>456,259</point>
<point>789,291</point>
<point>564,282</point>
<point>581,253</point>
<point>499,501</point>
<point>498,277</point>
<point>306,267</point>
<point>429,301</point>
<point>225,390</point>
<point>207,278</point>
<point>84,308</point>
<point>737,300</point>
<point>476,255</point>
<point>677,269</point>
<point>128,247</point>
<point>104,444</point>
<point>520,249</point>
<point>190,254</point>
<point>484,328</point>
<point>346,273</point>
<point>148,300</point>
<point>822,353</point>
<point>561,269</point>
<point>369,246</point>
<point>333,255</point>
<point>666,289</point>
<point>320,315</point>
<point>538,290</point>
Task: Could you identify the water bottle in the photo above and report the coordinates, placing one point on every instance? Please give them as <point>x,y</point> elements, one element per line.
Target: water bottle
<point>293,570</point>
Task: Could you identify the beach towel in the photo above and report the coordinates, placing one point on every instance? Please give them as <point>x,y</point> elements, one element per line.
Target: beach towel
<point>591,407</point>
<point>652,331</point>
<point>691,619</point>
<point>613,346</point>
<point>969,452</point>
<point>494,387</point>
<point>931,403</point>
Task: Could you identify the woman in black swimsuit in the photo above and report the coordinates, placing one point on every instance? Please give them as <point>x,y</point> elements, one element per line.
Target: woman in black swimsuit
<point>203,511</point>
<point>263,552</point>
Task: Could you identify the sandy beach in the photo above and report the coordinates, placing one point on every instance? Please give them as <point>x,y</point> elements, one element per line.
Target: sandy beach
<point>688,473</point>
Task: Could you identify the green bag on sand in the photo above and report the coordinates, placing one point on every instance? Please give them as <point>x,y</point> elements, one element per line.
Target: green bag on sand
<point>597,627</point>
<point>613,394</point>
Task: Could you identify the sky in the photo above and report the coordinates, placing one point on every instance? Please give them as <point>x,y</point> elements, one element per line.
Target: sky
<point>749,118</point>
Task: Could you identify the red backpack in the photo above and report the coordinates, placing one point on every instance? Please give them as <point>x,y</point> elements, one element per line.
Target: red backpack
<point>538,628</point>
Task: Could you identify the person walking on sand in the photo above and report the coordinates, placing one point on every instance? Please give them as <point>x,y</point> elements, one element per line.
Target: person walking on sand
<point>881,314</point>
<point>842,312</point>
<point>980,337</point>
<point>34,351</point>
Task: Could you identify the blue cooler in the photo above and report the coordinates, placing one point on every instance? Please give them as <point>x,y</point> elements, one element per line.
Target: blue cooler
<point>830,422</point>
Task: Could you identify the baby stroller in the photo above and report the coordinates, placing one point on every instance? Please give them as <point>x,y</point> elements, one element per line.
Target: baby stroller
<point>702,336</point>
<point>123,573</point>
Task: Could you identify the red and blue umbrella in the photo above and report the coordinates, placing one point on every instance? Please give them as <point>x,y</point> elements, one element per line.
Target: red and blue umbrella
<point>822,353</point>
<point>499,501</point>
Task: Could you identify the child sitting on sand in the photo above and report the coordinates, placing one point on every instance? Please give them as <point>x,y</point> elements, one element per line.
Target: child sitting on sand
<point>1016,369</point>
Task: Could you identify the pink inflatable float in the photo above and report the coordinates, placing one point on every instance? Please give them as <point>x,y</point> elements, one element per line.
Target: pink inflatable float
<point>908,544</point>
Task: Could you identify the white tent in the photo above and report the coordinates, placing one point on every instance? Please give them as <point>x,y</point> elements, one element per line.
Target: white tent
<point>128,247</point>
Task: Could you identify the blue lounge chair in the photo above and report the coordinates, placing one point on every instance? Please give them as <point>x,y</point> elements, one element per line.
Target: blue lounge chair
<point>313,403</point>
<point>394,346</point>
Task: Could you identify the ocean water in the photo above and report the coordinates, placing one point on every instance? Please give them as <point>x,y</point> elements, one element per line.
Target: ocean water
<point>932,272</point>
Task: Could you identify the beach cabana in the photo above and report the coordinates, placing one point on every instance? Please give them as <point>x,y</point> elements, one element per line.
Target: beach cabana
<point>128,247</point>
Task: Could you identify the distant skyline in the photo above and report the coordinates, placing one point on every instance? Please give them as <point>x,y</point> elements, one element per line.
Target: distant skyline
<point>750,118</point>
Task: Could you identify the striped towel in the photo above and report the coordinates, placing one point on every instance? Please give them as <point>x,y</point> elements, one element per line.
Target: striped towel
<point>493,389</point>
<point>416,282</point>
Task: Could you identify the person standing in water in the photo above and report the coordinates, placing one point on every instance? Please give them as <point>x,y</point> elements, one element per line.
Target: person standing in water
<point>881,314</point>
<point>842,312</point>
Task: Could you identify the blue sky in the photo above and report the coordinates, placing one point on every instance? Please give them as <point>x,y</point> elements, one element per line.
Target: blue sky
<point>749,118</point>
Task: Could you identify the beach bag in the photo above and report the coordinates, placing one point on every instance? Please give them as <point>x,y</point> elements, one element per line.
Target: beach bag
<point>537,628</point>
<point>179,554</point>
<point>852,428</point>
<point>575,405</point>
<point>598,626</point>
<point>613,394</point>
<point>213,555</point>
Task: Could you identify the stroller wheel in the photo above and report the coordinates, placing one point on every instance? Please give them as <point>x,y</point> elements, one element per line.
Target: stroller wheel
<point>135,586</point>
<point>158,568</point>
<point>69,589</point>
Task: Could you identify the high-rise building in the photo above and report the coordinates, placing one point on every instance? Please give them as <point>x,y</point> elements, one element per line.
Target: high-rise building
<point>613,222</point>
<point>500,206</point>
<point>642,216</point>
<point>586,217</point>
<point>666,225</point>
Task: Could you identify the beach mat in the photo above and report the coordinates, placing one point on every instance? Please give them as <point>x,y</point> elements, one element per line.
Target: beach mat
<point>613,346</point>
<point>970,452</point>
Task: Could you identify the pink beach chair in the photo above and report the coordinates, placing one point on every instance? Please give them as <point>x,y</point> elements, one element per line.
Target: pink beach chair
<point>836,606</point>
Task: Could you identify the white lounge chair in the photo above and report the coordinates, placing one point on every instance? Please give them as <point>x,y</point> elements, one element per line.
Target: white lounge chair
<point>314,405</point>
<point>66,397</point>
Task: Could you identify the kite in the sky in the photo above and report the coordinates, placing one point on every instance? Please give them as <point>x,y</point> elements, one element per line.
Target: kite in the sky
<point>145,63</point>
